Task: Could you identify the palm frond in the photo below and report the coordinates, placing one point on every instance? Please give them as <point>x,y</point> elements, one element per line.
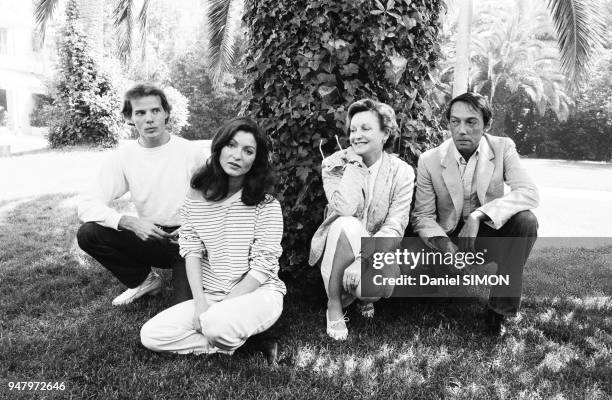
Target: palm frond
<point>222,16</point>
<point>43,13</point>
<point>123,21</point>
<point>580,30</point>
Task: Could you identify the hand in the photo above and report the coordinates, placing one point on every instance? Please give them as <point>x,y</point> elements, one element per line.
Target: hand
<point>352,156</point>
<point>352,276</point>
<point>467,236</point>
<point>174,236</point>
<point>201,306</point>
<point>444,244</point>
<point>145,230</point>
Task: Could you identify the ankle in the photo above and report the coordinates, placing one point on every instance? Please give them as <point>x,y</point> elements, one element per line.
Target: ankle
<point>334,308</point>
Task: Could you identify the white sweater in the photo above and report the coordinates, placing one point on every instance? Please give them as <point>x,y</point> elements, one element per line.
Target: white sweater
<point>157,179</point>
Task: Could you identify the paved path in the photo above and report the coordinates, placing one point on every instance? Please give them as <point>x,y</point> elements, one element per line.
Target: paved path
<point>576,197</point>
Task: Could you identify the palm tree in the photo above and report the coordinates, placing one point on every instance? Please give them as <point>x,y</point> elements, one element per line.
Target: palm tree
<point>92,15</point>
<point>519,55</point>
<point>580,31</point>
<point>579,27</point>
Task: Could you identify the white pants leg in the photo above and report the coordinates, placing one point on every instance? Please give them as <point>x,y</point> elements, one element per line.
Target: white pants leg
<point>354,230</point>
<point>226,325</point>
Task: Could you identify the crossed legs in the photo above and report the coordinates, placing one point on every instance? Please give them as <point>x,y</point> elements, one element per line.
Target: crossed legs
<point>226,325</point>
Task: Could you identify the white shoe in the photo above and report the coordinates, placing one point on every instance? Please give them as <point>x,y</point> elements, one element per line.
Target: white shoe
<point>337,330</point>
<point>152,285</point>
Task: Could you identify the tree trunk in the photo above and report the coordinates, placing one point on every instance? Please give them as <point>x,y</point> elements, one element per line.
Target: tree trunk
<point>91,14</point>
<point>462,57</point>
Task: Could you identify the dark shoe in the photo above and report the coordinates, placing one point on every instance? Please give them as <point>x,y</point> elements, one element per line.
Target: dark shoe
<point>495,323</point>
<point>264,344</point>
<point>270,349</point>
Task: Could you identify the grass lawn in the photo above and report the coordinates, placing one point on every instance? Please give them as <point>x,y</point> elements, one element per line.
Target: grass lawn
<point>57,324</point>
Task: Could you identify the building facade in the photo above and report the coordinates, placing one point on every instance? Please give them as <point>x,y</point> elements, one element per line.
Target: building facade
<point>24,65</point>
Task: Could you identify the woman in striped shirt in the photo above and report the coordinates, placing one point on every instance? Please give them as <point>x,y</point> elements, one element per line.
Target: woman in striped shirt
<point>230,238</point>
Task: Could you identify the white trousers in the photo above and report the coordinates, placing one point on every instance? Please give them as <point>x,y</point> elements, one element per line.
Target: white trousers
<point>354,231</point>
<point>226,325</point>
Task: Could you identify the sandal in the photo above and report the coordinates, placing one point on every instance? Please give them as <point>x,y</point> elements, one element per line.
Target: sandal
<point>337,329</point>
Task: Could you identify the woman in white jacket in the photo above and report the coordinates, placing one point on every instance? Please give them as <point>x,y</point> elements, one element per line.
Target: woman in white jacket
<point>369,193</point>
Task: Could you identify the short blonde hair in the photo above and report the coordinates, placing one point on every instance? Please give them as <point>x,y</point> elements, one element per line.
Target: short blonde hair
<point>386,117</point>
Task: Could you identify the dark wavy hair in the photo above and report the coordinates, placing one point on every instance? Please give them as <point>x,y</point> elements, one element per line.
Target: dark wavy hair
<point>476,101</point>
<point>212,181</point>
<point>143,90</point>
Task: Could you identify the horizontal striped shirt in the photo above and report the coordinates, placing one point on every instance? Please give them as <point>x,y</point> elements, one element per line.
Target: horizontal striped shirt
<point>233,239</point>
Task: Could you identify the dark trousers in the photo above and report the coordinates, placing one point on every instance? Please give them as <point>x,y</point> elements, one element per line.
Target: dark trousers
<point>130,259</point>
<point>509,247</point>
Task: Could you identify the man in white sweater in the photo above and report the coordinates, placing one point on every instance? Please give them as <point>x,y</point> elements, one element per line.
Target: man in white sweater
<point>156,170</point>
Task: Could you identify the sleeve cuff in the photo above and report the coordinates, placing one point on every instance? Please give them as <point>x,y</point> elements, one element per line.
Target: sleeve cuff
<point>258,276</point>
<point>193,255</point>
<point>113,221</point>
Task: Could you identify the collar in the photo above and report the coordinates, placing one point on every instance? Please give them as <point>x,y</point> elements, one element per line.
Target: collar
<point>375,167</point>
<point>458,157</point>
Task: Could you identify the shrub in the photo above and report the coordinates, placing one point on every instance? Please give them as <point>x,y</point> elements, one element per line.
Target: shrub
<point>86,106</point>
<point>308,61</point>
<point>180,110</point>
<point>208,109</point>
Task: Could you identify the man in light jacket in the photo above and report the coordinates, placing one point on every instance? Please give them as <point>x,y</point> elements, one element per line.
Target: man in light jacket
<point>460,195</point>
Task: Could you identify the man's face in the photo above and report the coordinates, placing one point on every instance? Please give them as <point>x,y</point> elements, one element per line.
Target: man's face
<point>149,118</point>
<point>466,126</point>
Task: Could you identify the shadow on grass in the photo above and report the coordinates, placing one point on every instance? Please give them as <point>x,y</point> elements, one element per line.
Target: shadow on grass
<point>57,324</point>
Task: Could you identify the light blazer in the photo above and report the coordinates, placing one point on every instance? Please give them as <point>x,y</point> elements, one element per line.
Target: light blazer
<point>344,185</point>
<point>439,191</point>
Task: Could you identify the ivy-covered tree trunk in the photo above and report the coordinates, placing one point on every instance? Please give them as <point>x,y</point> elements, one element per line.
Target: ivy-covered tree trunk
<point>309,59</point>
<point>85,107</point>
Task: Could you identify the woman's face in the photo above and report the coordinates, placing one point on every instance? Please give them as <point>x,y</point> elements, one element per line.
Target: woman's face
<point>238,155</point>
<point>366,136</point>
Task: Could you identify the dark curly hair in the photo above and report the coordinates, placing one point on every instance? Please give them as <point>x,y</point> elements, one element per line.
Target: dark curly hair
<point>212,181</point>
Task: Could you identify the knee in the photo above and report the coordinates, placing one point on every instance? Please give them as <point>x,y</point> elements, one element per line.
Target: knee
<point>87,234</point>
<point>148,337</point>
<point>351,226</point>
<point>526,222</point>
<point>215,331</point>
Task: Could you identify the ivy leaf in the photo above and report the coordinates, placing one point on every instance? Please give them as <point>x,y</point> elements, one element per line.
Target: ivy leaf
<point>350,69</point>
<point>302,173</point>
<point>395,68</point>
<point>409,23</point>
<point>328,94</point>
<point>304,71</point>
